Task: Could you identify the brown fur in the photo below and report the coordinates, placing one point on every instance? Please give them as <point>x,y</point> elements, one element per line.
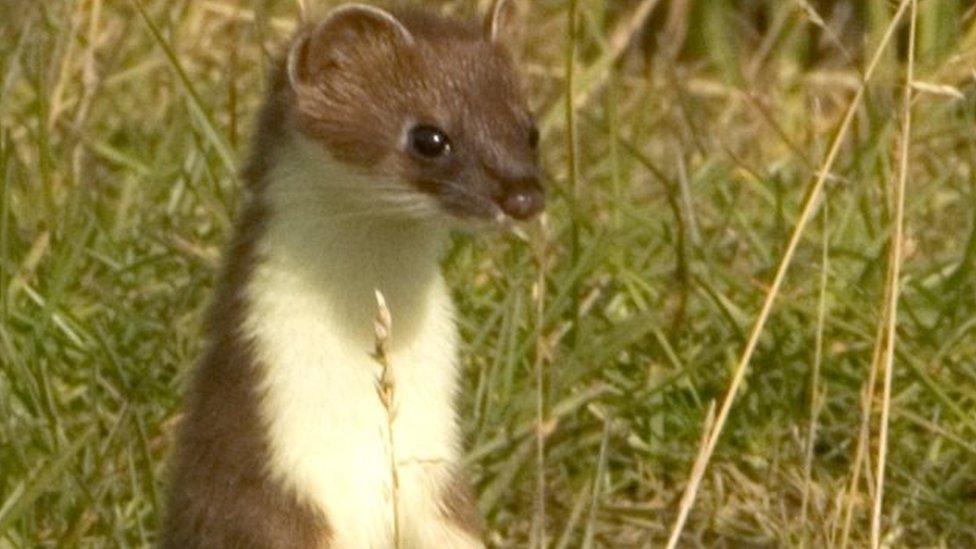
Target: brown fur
<point>451,76</point>
<point>458,505</point>
<point>221,496</point>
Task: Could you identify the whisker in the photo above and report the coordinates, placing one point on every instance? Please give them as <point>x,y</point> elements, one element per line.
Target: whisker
<point>417,210</point>
<point>376,202</point>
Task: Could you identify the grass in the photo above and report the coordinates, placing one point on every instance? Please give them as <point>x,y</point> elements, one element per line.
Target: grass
<point>677,172</point>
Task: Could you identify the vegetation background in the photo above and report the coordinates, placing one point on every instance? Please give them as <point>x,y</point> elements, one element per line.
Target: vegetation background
<point>596,351</point>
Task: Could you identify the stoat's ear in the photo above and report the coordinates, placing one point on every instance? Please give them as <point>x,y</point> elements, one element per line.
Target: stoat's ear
<point>346,35</point>
<point>501,14</point>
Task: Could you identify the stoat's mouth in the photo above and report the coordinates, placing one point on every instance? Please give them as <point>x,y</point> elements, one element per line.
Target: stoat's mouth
<point>514,204</point>
<point>487,212</point>
<point>466,205</point>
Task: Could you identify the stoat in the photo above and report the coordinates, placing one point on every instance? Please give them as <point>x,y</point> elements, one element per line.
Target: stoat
<point>382,131</point>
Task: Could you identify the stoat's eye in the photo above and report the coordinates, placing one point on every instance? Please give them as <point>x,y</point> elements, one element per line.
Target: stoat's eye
<point>534,136</point>
<point>428,141</point>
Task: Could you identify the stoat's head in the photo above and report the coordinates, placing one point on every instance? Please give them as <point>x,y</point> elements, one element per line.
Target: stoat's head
<point>430,106</point>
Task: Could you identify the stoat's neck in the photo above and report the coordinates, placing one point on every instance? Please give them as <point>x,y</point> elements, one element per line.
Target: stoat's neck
<point>334,239</point>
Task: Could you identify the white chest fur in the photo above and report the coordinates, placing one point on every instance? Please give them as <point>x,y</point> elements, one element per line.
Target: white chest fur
<point>311,306</point>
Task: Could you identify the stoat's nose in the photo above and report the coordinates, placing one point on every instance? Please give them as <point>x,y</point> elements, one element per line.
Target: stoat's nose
<point>523,198</point>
